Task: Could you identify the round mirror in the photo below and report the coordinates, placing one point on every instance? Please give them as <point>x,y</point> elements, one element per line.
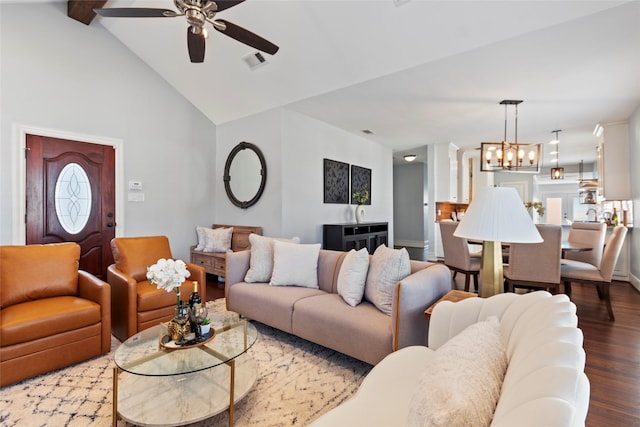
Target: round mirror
<point>245,175</point>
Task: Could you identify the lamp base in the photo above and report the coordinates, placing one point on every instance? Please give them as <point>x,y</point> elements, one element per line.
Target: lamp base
<point>491,269</point>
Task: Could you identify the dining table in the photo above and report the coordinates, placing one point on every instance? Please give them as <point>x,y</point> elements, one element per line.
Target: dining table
<point>567,246</point>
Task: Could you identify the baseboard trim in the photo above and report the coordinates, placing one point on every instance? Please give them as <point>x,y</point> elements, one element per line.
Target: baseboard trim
<point>411,243</point>
<point>635,281</point>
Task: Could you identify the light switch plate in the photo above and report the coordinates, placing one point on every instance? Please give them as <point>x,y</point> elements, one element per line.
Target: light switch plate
<point>135,185</point>
<point>135,197</point>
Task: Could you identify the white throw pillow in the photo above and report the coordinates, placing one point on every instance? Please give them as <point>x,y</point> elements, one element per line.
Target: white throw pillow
<point>387,267</point>
<point>202,238</point>
<point>295,264</point>
<point>461,386</point>
<point>218,239</point>
<point>353,276</point>
<point>261,262</point>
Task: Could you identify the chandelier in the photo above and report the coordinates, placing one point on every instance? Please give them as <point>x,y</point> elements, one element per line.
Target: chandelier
<point>511,156</point>
<point>557,172</point>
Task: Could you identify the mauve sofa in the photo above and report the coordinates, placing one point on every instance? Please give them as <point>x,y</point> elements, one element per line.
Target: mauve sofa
<point>322,316</point>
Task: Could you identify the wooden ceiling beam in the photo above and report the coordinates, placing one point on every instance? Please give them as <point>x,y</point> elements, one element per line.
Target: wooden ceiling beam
<point>82,10</point>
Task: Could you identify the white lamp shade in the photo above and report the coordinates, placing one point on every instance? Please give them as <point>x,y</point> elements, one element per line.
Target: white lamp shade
<point>497,214</point>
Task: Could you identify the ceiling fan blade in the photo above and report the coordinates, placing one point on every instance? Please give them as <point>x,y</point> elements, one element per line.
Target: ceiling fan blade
<point>245,36</point>
<point>226,4</point>
<point>196,45</point>
<point>135,12</point>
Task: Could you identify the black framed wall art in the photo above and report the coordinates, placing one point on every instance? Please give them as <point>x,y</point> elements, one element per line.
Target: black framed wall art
<point>336,182</point>
<point>360,181</point>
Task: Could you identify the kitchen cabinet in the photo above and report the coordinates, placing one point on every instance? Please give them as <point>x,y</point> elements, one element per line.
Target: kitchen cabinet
<point>613,163</point>
<point>621,270</point>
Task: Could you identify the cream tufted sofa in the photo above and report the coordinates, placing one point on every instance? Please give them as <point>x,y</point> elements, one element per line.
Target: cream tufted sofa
<point>544,384</point>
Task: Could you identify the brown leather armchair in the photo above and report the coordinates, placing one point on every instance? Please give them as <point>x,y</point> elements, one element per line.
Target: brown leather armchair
<point>52,315</point>
<point>138,304</point>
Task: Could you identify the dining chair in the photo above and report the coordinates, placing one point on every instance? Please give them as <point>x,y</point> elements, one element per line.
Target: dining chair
<point>536,265</point>
<point>457,255</point>
<point>584,272</point>
<point>589,233</point>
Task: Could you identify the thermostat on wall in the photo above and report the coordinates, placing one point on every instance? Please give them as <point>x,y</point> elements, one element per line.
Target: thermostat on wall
<point>135,185</point>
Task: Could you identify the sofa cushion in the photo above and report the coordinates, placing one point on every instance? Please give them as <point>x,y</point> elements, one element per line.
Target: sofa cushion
<point>201,232</point>
<point>384,395</point>
<point>41,318</point>
<point>353,276</point>
<point>363,331</point>
<point>295,265</point>
<point>261,262</point>
<point>150,297</point>
<point>217,239</point>
<point>267,304</point>
<point>132,255</point>
<point>32,272</point>
<point>462,384</point>
<point>386,268</point>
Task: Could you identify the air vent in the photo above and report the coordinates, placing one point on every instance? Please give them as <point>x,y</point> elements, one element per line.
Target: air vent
<point>368,131</point>
<point>400,2</point>
<point>255,60</point>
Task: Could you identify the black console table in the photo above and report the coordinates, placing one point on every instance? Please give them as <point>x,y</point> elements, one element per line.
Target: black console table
<point>344,237</point>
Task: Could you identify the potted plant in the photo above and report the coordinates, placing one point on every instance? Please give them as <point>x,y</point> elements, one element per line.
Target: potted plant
<point>205,326</point>
<point>360,196</point>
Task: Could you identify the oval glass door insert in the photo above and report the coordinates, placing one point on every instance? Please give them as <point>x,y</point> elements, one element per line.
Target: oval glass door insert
<point>73,198</point>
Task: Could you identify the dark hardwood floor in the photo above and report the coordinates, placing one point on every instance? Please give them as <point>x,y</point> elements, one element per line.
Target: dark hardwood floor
<point>613,353</point>
<point>215,288</point>
<point>612,348</point>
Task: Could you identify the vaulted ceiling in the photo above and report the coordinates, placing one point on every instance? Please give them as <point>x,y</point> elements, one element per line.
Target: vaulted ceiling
<point>414,72</point>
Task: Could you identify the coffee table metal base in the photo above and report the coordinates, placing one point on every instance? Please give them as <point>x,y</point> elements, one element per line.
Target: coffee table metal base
<point>182,399</point>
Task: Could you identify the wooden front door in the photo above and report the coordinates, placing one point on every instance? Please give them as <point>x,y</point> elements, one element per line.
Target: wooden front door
<point>70,189</point>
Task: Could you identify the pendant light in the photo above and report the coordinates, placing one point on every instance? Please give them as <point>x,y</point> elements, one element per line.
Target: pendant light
<point>557,172</point>
<point>511,156</point>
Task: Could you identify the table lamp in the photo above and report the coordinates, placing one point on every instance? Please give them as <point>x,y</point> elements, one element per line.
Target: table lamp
<point>496,215</point>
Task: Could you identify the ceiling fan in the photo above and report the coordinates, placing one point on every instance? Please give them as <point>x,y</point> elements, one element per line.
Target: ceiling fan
<point>197,13</point>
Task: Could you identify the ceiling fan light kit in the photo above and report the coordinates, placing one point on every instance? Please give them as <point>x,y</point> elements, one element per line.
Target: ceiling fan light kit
<point>508,156</point>
<point>197,14</point>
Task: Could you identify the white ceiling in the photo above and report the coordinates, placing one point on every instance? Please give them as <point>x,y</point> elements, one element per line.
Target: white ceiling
<point>419,73</point>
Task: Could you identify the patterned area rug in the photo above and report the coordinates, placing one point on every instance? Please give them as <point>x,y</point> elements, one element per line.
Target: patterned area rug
<point>297,382</point>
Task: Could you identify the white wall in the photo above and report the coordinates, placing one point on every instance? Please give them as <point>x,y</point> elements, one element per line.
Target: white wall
<point>57,73</point>
<point>480,180</point>
<point>265,131</point>
<point>445,168</point>
<point>294,146</point>
<point>634,160</point>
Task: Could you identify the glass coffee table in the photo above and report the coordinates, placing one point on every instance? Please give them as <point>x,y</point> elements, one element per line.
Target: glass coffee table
<point>154,385</point>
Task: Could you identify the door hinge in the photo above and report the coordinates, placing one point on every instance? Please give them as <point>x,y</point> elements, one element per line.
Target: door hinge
<point>26,151</point>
